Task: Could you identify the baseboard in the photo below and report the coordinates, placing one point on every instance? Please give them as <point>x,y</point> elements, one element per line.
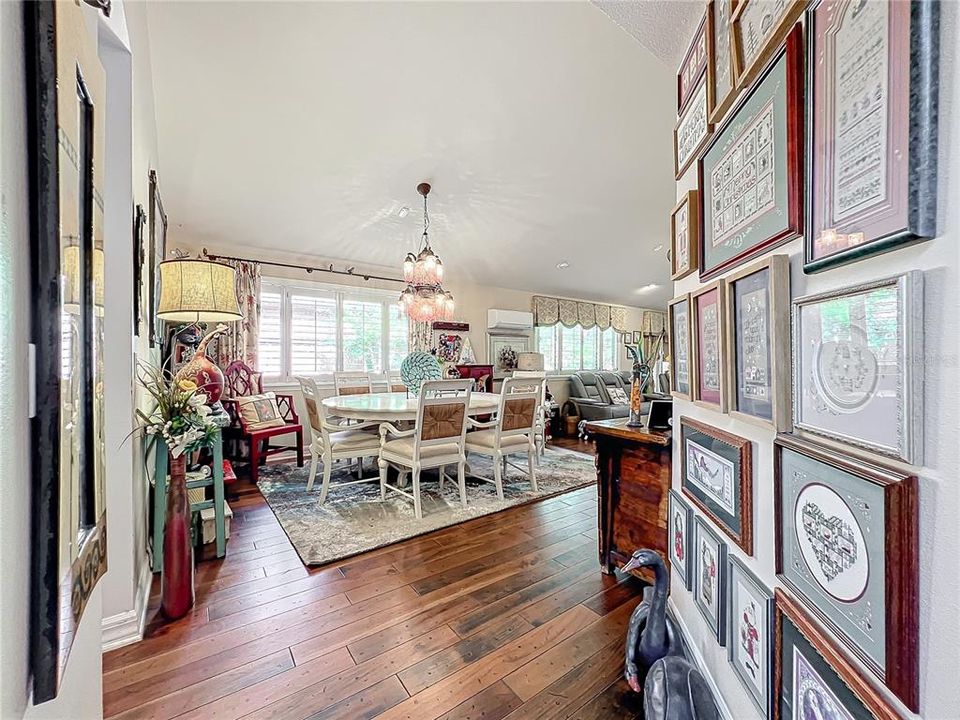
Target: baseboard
<point>697,657</point>
<point>127,627</point>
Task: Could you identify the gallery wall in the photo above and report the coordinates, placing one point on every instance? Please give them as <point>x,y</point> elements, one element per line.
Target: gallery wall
<point>939,491</point>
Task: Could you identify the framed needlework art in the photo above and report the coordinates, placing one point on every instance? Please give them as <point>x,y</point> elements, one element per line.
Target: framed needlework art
<point>858,366</point>
<point>758,342</point>
<point>692,132</point>
<point>721,85</point>
<point>872,135</point>
<point>750,633</point>
<point>681,352</point>
<point>751,174</point>
<point>157,254</point>
<point>708,341</point>
<point>709,577</point>
<point>811,677</point>
<point>693,66</point>
<point>680,528</point>
<point>684,228</point>
<point>758,27</point>
<point>847,544</point>
<point>716,474</point>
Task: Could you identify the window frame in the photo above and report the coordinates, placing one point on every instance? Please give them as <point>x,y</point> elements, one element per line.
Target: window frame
<point>558,329</point>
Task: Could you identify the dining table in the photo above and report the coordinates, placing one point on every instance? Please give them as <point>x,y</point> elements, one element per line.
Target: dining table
<point>395,406</point>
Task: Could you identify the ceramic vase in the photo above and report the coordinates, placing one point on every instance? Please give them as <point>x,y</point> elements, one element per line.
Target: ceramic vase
<point>177,581</point>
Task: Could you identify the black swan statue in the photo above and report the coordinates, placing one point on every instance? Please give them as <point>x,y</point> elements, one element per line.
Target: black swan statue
<point>675,690</point>
<point>651,635</point>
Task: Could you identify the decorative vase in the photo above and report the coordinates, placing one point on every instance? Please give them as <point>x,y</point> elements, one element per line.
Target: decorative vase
<point>203,371</point>
<point>176,584</point>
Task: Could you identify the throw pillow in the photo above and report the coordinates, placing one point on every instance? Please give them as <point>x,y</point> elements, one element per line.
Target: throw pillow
<point>260,411</point>
<point>618,396</point>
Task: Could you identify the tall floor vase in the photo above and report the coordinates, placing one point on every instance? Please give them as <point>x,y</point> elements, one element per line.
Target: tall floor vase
<point>176,588</point>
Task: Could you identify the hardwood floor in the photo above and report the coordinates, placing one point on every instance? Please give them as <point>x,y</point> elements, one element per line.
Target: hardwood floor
<point>507,616</point>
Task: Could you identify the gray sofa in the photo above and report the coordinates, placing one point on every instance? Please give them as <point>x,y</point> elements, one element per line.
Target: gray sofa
<point>590,392</point>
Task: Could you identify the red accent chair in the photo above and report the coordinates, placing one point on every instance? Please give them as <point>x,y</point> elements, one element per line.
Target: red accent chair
<point>240,380</point>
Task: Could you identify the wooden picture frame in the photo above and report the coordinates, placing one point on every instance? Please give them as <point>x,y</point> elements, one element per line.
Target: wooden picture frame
<point>684,236</point>
<point>139,257</point>
<point>709,384</point>
<point>692,131</point>
<point>716,475</point>
<point>751,57</point>
<point>680,529</point>
<point>750,632</point>
<point>693,66</point>
<point>769,303</point>
<point>853,384</point>
<point>872,511</point>
<point>721,83</point>
<point>157,254</point>
<point>681,348</point>
<point>709,578</point>
<point>892,204</point>
<point>793,626</point>
<point>739,221</point>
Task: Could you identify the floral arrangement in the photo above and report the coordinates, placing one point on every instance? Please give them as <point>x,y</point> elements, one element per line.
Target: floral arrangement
<point>507,357</point>
<point>182,418</point>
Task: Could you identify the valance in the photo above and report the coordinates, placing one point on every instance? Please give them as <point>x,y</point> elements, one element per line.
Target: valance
<point>548,311</point>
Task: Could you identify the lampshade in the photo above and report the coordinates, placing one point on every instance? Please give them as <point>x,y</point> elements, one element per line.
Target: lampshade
<point>197,291</point>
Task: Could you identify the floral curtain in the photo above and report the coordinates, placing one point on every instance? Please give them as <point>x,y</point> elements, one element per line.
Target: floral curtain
<point>654,334</point>
<point>240,340</point>
<point>548,311</point>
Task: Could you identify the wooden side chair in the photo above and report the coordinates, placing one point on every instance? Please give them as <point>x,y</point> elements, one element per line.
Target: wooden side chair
<point>352,383</point>
<point>542,411</point>
<point>437,440</point>
<point>335,440</point>
<point>513,431</point>
<point>256,416</point>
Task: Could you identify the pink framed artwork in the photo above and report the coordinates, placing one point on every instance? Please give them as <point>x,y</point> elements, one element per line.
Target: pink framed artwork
<point>693,65</point>
<point>709,346</point>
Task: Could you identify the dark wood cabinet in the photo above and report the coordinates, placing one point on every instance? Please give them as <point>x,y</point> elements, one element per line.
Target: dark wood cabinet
<point>633,480</point>
<point>478,372</point>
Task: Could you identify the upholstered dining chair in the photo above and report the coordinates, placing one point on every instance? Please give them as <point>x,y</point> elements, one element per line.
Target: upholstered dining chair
<point>540,434</point>
<point>334,440</point>
<point>511,432</point>
<point>352,383</point>
<point>437,440</point>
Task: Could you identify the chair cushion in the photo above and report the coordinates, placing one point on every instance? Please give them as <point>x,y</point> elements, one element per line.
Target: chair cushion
<point>260,411</point>
<point>404,448</point>
<point>483,439</point>
<point>354,440</point>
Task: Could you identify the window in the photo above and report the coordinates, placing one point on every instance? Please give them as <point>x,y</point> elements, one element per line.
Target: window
<point>317,331</point>
<point>570,349</point>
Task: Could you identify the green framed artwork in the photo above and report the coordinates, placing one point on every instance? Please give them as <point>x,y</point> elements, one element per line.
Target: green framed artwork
<point>751,175</point>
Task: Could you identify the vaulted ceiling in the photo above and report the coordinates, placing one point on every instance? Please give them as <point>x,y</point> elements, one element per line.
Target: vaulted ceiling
<point>544,128</point>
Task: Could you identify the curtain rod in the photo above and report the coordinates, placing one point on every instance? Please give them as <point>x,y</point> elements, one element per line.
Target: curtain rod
<point>310,269</point>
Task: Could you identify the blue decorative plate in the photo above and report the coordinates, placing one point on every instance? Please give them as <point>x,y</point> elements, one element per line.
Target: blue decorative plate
<point>417,368</point>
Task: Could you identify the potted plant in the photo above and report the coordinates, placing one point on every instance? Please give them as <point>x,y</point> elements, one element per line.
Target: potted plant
<point>181,423</point>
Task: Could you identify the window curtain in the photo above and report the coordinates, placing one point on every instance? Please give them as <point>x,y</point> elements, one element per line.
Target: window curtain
<point>548,311</point>
<point>240,340</point>
<point>654,335</point>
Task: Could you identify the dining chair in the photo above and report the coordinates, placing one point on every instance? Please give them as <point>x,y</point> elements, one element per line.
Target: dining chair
<point>335,439</point>
<point>435,441</point>
<point>542,411</point>
<point>352,383</point>
<point>511,432</point>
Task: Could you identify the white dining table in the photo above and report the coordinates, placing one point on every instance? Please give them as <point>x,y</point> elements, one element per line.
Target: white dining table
<point>391,406</point>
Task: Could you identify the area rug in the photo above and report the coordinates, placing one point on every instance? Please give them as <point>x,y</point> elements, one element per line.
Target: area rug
<point>353,520</point>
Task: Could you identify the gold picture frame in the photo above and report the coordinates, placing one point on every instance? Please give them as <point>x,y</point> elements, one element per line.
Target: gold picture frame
<point>721,79</point>
<point>681,349</point>
<point>684,236</point>
<point>749,61</point>
<point>714,398</point>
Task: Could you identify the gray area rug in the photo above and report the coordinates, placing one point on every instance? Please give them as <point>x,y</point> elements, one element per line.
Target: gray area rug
<point>353,520</point>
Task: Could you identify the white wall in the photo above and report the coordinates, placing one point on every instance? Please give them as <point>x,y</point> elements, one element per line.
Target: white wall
<point>939,488</point>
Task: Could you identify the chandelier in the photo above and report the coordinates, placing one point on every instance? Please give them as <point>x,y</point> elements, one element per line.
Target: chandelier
<point>424,299</point>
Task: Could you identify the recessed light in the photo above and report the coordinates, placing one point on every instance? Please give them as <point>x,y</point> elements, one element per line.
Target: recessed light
<point>646,288</point>
<point>404,211</point>
<point>658,248</point>
<point>563,265</point>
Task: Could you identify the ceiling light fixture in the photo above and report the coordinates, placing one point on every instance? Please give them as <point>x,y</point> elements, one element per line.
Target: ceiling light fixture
<point>646,288</point>
<point>563,265</point>
<point>658,248</point>
<point>404,211</point>
<point>424,299</point>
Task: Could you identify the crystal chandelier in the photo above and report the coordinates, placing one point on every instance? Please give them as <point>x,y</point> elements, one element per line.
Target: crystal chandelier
<point>424,299</point>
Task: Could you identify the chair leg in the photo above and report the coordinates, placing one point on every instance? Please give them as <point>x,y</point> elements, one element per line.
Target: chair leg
<point>443,471</point>
<point>383,479</point>
<point>531,464</point>
<point>254,460</point>
<point>313,469</point>
<point>417,509</point>
<point>325,488</point>
<point>462,482</point>
<point>498,463</point>
<point>300,448</point>
<point>402,478</point>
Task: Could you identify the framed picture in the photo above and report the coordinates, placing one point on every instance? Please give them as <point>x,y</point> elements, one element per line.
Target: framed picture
<point>67,99</point>
<point>637,337</point>
<point>709,346</point>
<point>684,227</point>
<point>716,474</point>
<point>692,131</point>
<point>758,27</point>
<point>139,256</point>
<point>709,577</point>
<point>811,678</point>
<point>498,347</point>
<point>681,360</point>
<point>681,529</point>
<point>875,191</point>
<point>721,85</point>
<point>758,327</point>
<point>751,175</point>
<point>750,633</point>
<point>847,544</point>
<point>158,253</point>
<point>693,66</point>
<point>858,366</point>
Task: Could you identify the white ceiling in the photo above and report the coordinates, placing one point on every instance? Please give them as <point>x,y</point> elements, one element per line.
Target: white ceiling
<point>304,128</point>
